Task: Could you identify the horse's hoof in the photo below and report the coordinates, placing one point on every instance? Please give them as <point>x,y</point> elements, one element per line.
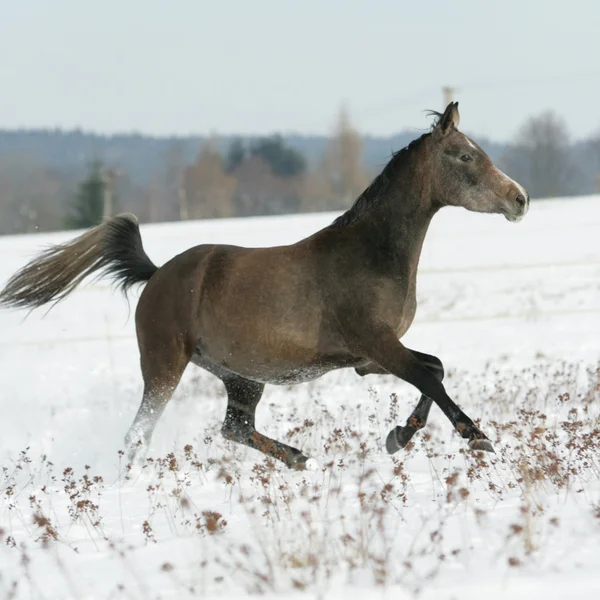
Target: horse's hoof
<point>398,438</point>
<point>484,445</point>
<point>311,465</point>
<point>391,443</point>
<point>303,463</point>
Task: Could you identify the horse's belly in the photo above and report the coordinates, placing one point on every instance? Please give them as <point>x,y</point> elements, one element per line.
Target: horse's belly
<point>291,375</point>
<point>278,371</point>
<point>274,348</point>
<point>285,365</point>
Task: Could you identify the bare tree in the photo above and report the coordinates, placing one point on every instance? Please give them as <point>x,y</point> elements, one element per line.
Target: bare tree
<point>540,157</point>
<point>592,152</point>
<point>343,163</point>
<point>316,191</point>
<point>176,202</point>
<point>32,196</point>
<point>208,188</point>
<point>260,191</point>
<point>131,196</point>
<point>109,177</point>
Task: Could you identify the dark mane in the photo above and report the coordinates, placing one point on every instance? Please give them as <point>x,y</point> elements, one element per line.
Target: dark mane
<point>437,115</point>
<point>371,194</point>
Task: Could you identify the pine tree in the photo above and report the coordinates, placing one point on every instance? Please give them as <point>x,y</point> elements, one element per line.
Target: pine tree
<point>88,204</point>
<point>284,160</point>
<point>236,154</point>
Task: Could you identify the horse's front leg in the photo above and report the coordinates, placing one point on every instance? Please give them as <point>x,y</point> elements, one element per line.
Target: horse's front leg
<point>400,436</point>
<point>378,343</point>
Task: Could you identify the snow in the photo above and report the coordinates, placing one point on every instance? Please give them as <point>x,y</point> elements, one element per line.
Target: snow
<point>513,311</point>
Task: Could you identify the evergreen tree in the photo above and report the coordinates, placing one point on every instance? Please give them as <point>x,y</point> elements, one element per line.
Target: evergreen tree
<point>236,154</point>
<point>283,160</point>
<point>88,205</point>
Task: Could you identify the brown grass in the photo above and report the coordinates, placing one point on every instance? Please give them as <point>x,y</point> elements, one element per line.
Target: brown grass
<point>306,531</point>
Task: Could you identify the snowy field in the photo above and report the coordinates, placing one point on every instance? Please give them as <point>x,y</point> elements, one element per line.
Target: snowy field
<point>512,310</point>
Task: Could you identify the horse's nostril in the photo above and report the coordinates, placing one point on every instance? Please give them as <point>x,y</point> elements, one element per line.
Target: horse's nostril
<point>521,200</point>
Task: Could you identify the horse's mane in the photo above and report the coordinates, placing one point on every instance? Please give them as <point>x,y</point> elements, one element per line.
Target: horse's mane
<point>370,196</point>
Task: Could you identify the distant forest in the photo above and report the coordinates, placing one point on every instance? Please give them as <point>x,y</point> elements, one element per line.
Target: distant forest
<point>52,179</point>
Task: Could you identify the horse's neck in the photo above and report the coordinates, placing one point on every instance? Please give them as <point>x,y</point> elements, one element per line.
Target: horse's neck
<point>397,227</point>
<point>392,216</point>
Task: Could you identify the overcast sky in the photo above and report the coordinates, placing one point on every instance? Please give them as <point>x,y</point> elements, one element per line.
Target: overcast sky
<point>257,66</point>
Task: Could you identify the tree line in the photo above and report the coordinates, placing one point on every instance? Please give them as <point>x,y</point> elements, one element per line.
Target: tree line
<point>262,176</point>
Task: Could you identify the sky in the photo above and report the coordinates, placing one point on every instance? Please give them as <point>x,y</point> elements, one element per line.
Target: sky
<point>256,67</point>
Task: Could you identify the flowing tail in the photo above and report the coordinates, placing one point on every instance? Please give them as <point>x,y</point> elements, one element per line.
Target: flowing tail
<point>114,248</point>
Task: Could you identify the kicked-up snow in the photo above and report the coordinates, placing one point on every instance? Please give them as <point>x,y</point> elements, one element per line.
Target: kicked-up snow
<point>513,311</point>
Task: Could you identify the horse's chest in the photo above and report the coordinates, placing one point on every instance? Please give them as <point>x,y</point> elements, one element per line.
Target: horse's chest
<point>399,307</point>
<point>407,315</point>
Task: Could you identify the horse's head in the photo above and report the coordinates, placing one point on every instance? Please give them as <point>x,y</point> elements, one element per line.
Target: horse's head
<point>464,174</point>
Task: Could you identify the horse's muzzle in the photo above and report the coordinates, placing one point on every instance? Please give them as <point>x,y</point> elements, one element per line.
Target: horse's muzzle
<point>518,208</point>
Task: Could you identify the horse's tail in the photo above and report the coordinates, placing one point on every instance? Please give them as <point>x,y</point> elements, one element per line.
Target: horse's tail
<point>114,248</point>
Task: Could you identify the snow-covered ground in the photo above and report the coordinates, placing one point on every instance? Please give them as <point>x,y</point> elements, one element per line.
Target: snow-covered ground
<point>512,310</point>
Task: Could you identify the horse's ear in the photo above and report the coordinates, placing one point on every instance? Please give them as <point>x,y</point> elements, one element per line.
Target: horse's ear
<point>449,120</point>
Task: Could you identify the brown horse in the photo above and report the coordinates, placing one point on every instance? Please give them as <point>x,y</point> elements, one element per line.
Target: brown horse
<point>340,298</point>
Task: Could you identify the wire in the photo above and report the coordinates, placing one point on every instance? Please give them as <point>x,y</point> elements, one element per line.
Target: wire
<point>405,99</point>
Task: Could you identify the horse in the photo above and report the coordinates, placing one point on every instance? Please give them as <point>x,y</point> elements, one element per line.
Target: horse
<point>341,298</point>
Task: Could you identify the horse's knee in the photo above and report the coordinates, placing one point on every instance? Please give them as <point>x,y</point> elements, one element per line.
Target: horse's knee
<point>434,364</point>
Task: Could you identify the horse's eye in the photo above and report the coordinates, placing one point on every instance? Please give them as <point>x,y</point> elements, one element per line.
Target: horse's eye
<point>466,157</point>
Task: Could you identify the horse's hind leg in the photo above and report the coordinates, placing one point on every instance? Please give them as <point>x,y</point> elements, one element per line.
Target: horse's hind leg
<point>243,397</point>
<point>400,436</point>
<point>162,365</point>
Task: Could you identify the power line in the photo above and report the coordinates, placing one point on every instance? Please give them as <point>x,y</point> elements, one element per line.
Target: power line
<point>526,81</point>
<point>481,84</point>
